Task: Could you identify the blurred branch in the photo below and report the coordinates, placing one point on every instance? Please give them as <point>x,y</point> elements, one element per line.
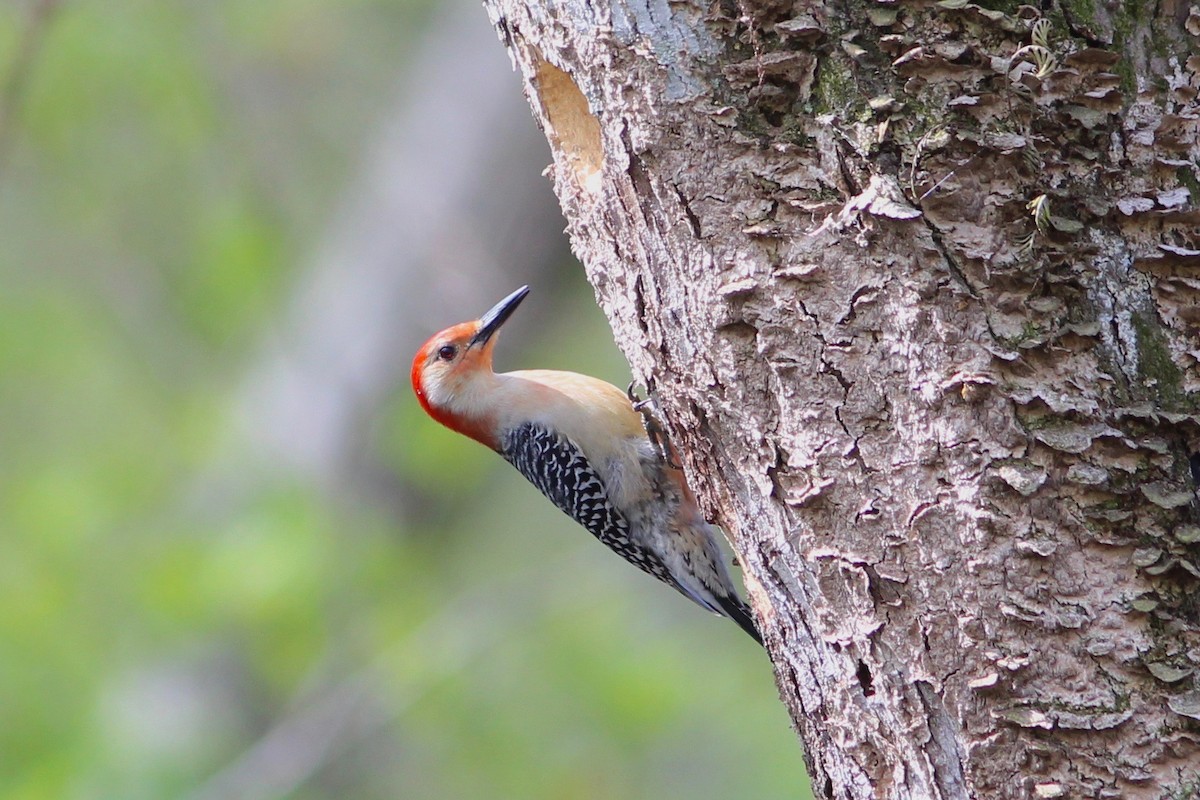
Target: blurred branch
<point>332,720</point>
<point>36,27</point>
<point>346,712</point>
<point>451,205</point>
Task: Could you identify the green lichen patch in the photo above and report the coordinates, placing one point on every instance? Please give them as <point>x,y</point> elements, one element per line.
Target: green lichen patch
<point>1159,373</point>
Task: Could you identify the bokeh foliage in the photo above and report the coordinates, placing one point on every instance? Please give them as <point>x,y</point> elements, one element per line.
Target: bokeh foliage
<point>168,602</point>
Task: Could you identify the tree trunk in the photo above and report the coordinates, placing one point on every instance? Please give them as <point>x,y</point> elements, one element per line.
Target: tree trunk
<point>917,287</point>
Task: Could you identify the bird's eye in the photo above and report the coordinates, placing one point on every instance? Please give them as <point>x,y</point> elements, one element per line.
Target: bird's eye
<point>447,352</point>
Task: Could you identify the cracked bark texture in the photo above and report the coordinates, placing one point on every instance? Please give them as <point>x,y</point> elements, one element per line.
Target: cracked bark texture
<point>917,286</point>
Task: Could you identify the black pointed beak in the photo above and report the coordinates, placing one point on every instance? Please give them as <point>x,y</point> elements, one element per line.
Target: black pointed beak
<point>490,322</point>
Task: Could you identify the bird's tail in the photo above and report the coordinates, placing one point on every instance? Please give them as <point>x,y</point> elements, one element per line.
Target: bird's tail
<point>739,612</point>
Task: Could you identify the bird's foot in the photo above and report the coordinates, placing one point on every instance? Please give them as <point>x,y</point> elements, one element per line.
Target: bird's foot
<point>652,422</point>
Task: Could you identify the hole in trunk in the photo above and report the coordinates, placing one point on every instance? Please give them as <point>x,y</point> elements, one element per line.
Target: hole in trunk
<point>572,128</point>
<point>865,680</point>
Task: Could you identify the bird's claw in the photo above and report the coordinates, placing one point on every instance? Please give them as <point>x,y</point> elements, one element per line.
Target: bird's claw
<point>651,421</point>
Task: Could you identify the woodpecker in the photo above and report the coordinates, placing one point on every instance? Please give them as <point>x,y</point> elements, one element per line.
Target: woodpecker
<point>584,444</point>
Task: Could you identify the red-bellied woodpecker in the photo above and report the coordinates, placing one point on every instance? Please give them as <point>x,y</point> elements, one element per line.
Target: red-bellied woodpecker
<point>581,442</point>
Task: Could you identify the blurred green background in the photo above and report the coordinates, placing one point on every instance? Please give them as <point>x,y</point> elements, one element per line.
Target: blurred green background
<point>235,559</point>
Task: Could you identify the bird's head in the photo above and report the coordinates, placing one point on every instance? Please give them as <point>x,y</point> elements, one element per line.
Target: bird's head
<point>447,370</point>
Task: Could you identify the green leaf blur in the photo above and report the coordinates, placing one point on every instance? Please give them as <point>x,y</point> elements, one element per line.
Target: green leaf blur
<point>170,602</point>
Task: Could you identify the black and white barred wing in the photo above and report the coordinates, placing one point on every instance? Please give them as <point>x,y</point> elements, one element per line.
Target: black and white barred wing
<point>559,470</point>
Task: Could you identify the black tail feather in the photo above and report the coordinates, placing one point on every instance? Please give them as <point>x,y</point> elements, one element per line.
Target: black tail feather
<point>739,612</point>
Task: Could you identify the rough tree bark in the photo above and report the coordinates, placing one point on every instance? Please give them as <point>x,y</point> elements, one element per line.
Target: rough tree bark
<point>917,287</point>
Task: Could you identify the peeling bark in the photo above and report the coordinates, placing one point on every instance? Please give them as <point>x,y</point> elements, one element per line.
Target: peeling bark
<point>918,288</point>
